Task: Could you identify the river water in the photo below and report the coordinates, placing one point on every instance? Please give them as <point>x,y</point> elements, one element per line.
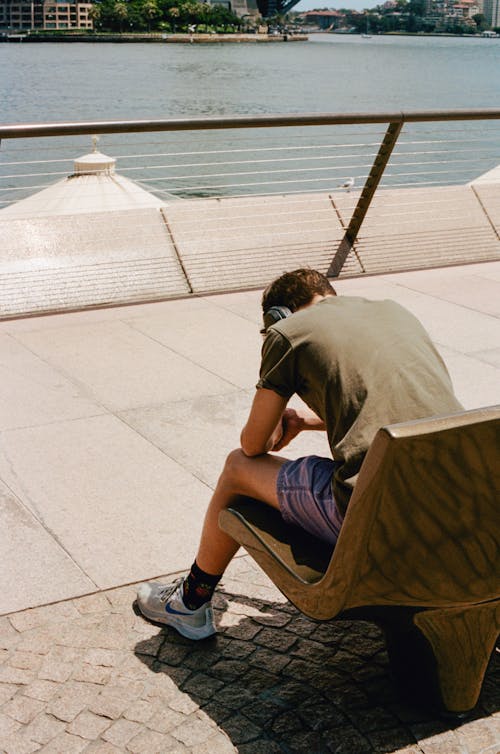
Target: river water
<point>329,73</point>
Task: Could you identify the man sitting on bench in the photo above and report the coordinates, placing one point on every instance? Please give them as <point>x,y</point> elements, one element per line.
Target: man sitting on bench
<point>358,365</point>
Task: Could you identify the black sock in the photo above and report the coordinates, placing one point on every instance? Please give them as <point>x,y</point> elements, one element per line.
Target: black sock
<point>199,587</point>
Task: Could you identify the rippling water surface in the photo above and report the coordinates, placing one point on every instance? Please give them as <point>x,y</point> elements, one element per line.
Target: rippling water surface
<point>41,82</point>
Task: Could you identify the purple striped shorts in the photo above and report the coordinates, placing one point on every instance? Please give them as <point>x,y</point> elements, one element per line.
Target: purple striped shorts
<point>305,496</point>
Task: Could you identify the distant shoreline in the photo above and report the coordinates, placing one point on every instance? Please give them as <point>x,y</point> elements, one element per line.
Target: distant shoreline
<point>185,38</point>
<point>406,34</point>
<point>154,37</point>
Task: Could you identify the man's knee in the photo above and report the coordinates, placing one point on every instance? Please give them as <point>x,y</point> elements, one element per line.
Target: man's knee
<point>234,467</point>
<point>252,476</point>
<point>240,472</point>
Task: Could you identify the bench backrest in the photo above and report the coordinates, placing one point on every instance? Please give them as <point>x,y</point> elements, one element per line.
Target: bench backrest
<point>423,526</point>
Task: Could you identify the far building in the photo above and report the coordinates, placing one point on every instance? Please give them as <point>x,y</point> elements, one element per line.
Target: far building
<point>45,15</point>
<point>465,9</point>
<point>18,16</point>
<point>444,11</point>
<point>491,10</point>
<point>324,19</point>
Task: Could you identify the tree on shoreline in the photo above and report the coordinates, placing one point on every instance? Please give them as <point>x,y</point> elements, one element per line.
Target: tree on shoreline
<point>121,12</point>
<point>162,15</point>
<point>150,10</point>
<point>95,14</point>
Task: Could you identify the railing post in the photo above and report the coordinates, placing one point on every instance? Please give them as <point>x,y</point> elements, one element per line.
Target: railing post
<point>364,201</point>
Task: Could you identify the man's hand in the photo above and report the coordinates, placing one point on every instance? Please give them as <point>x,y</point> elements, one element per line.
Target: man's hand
<point>271,426</point>
<point>291,425</point>
<point>293,422</point>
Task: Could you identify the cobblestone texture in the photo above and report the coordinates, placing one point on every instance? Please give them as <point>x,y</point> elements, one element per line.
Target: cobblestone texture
<point>92,676</point>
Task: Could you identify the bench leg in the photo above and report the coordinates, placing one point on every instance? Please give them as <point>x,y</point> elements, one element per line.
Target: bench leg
<point>462,640</point>
<point>440,656</point>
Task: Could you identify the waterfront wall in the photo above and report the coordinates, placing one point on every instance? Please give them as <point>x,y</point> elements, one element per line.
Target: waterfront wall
<point>157,38</point>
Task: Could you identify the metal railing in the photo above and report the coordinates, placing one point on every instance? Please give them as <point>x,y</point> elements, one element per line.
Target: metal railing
<point>351,193</point>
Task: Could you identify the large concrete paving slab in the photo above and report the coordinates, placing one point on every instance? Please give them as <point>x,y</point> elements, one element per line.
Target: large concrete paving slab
<point>24,541</point>
<point>490,271</point>
<point>464,330</point>
<point>476,383</point>
<point>33,392</point>
<point>121,367</point>
<point>231,349</point>
<point>468,290</point>
<point>246,304</point>
<point>490,356</point>
<point>121,508</point>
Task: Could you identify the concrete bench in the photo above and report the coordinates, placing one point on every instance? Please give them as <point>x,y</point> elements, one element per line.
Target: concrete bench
<point>419,552</point>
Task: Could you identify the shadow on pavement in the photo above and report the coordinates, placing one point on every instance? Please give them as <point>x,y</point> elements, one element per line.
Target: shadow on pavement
<point>276,681</point>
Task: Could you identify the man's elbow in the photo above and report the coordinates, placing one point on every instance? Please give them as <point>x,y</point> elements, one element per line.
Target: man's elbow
<point>252,452</point>
<point>250,447</point>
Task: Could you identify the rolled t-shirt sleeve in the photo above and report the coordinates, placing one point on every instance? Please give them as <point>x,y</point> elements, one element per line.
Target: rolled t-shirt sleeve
<point>277,369</point>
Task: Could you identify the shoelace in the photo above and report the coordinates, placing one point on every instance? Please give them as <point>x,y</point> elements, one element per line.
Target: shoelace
<point>170,589</point>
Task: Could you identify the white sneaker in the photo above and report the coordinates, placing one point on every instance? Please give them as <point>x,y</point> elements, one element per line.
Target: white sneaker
<point>163,603</point>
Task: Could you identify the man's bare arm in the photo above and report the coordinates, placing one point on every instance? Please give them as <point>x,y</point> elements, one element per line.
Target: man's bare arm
<point>263,429</point>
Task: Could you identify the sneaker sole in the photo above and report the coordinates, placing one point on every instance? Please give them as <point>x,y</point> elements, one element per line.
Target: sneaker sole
<point>189,632</point>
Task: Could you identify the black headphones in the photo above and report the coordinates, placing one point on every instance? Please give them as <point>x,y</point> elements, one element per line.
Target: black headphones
<point>273,315</point>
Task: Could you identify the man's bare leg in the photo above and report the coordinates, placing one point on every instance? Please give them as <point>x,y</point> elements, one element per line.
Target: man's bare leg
<point>185,603</point>
<point>242,475</point>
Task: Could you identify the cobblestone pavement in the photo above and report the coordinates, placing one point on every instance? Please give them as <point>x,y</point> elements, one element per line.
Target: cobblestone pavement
<point>89,675</point>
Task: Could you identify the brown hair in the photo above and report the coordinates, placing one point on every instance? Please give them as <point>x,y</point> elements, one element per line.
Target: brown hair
<point>296,289</point>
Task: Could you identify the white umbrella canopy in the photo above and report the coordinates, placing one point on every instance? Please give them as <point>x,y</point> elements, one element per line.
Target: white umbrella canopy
<point>93,238</point>
<point>93,187</point>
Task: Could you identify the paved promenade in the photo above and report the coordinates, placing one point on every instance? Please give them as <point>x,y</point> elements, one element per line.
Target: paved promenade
<point>113,425</point>
<point>88,675</point>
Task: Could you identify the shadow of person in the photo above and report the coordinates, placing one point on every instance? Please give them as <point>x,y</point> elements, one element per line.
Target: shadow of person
<point>275,681</point>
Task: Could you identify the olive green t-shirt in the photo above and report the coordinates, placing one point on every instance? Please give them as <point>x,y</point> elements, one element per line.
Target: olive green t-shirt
<point>359,365</point>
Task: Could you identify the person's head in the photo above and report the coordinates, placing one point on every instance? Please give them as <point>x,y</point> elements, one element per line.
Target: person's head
<point>293,291</point>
